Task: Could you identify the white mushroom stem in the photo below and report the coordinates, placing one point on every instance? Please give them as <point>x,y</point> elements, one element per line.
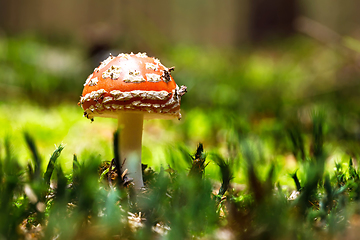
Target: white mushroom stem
<point>131,128</point>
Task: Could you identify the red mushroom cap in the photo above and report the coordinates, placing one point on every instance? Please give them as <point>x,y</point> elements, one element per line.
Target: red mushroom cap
<point>131,82</point>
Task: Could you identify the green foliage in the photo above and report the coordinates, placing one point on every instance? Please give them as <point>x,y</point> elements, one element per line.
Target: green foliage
<point>198,163</point>
<point>70,206</point>
<point>33,69</point>
<point>175,204</point>
<point>51,164</point>
<point>226,173</point>
<point>274,121</point>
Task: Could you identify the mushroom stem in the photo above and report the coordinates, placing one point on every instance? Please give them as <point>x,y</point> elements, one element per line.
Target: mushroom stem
<point>131,127</point>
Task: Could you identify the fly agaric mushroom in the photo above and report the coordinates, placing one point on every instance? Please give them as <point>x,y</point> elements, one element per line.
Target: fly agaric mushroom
<point>131,88</point>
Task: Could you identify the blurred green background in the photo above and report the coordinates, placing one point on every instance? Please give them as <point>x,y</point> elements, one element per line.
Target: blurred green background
<point>256,71</point>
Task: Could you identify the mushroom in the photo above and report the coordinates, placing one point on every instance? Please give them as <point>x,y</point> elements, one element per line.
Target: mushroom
<point>131,88</point>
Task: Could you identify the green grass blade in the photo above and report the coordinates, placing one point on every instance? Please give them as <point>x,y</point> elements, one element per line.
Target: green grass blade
<point>51,164</point>
<point>35,154</point>
<point>226,173</point>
